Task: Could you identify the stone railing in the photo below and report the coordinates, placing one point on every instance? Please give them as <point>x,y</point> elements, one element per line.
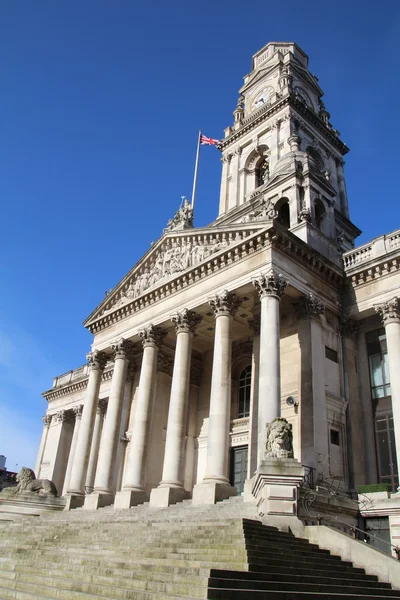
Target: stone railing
<point>380,246</point>
<point>66,378</point>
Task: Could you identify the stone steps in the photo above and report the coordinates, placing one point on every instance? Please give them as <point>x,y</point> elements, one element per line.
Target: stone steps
<point>181,553</point>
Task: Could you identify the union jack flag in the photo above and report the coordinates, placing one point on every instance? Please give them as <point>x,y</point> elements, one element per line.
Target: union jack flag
<point>206,141</point>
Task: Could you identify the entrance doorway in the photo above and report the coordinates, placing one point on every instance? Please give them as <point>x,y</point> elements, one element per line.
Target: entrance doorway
<point>238,470</point>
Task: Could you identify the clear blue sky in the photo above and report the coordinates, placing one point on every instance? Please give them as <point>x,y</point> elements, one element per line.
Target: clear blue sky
<point>100,105</point>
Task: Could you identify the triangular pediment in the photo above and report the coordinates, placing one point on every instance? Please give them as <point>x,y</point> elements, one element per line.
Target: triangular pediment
<point>175,253</point>
<point>257,76</point>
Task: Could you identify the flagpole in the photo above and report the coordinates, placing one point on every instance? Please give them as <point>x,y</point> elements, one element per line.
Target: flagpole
<point>196,168</point>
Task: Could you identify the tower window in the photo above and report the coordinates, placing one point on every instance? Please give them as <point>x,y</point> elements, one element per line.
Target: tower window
<point>284,215</point>
<point>244,392</point>
<point>319,212</point>
<point>262,172</point>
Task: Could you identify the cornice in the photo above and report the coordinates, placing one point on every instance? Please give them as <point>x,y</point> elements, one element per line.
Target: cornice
<point>71,388</point>
<point>264,113</point>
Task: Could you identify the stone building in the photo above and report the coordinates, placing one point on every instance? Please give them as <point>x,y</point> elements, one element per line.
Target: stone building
<point>268,311</point>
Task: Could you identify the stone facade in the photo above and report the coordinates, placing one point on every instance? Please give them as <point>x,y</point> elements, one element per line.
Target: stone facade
<point>267,312</point>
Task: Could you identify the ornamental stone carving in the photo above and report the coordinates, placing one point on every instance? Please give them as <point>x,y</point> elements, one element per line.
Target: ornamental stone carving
<point>27,482</point>
<point>347,327</point>
<point>310,306</point>
<point>279,439</point>
<point>123,349</point>
<point>97,359</point>
<point>62,416</point>
<point>175,256</point>
<point>46,420</point>
<point>186,320</point>
<point>264,212</point>
<point>226,303</point>
<point>183,218</point>
<point>304,214</point>
<point>271,284</point>
<point>77,410</point>
<point>101,408</point>
<point>389,311</point>
<point>152,336</point>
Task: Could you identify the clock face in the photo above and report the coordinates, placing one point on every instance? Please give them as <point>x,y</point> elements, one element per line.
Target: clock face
<point>302,95</point>
<point>262,98</point>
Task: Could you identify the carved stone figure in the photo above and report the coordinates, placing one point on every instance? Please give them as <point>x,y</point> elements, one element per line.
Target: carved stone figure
<point>183,218</point>
<point>27,482</point>
<point>279,439</point>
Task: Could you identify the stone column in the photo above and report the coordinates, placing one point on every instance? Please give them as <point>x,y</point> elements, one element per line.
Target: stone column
<point>94,450</point>
<point>78,414</point>
<point>76,490</point>
<point>390,314</point>
<point>46,425</point>
<point>103,494</point>
<point>224,183</point>
<point>215,485</point>
<point>133,491</point>
<point>312,404</point>
<point>171,488</point>
<point>270,288</point>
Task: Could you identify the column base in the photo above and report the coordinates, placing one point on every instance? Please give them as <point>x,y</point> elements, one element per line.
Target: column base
<point>72,501</point>
<point>95,500</point>
<point>211,493</point>
<point>127,498</point>
<point>162,497</point>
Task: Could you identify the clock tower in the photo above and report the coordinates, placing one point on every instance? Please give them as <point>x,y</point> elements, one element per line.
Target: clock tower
<point>282,157</point>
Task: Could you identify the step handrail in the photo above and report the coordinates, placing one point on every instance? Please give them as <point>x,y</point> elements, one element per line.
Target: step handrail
<point>366,534</point>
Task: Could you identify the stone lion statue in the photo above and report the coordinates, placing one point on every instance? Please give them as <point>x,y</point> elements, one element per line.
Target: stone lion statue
<point>27,482</point>
<point>279,439</point>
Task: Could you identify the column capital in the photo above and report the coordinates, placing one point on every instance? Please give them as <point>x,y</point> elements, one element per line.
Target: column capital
<point>226,303</point>
<point>348,327</point>
<point>46,420</point>
<point>152,336</point>
<point>97,359</point>
<point>102,407</point>
<point>310,306</point>
<point>389,311</point>
<point>123,348</point>
<point>78,411</point>
<point>62,416</point>
<point>186,321</point>
<point>270,284</point>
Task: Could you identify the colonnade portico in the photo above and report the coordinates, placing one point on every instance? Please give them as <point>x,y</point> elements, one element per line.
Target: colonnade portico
<point>215,483</point>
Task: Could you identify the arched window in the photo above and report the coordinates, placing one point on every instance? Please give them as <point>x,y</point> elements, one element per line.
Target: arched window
<point>244,392</point>
<point>262,172</point>
<point>284,215</point>
<point>319,212</point>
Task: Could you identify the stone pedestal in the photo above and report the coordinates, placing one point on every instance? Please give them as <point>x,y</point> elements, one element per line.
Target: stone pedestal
<point>275,486</point>
<point>127,498</point>
<point>73,501</point>
<point>162,497</point>
<point>98,500</point>
<point>211,493</point>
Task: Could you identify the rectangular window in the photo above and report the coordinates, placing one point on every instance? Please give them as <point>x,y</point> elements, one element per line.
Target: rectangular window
<point>335,437</point>
<point>331,354</point>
